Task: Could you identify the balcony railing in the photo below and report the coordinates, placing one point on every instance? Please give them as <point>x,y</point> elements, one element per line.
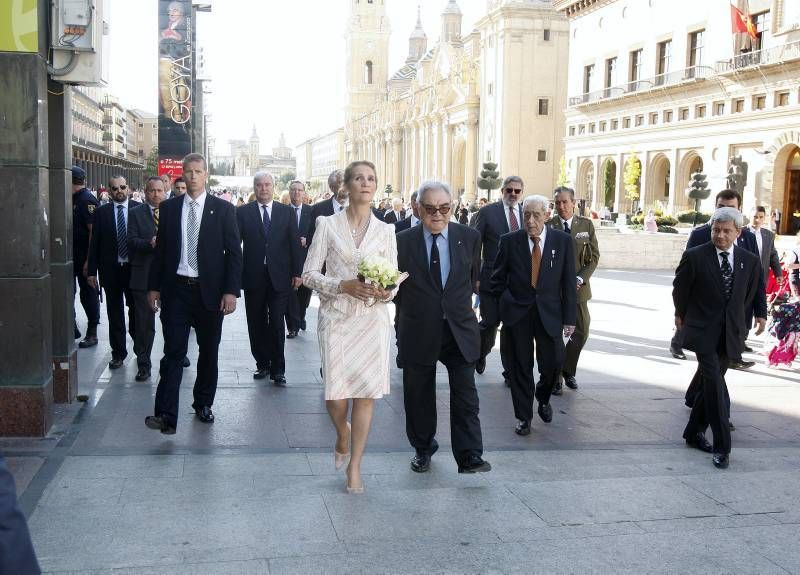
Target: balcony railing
<point>774,55</point>
<point>108,136</point>
<point>661,81</point>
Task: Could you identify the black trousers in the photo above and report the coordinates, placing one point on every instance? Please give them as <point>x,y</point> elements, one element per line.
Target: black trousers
<point>119,295</point>
<point>90,299</point>
<point>528,334</point>
<point>677,338</point>
<point>299,300</point>
<point>711,402</point>
<point>419,397</point>
<point>490,321</point>
<point>578,339</point>
<point>183,310</point>
<point>266,309</point>
<point>144,329</point>
<point>16,549</point>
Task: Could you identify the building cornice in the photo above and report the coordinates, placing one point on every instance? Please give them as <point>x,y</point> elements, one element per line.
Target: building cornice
<point>577,8</point>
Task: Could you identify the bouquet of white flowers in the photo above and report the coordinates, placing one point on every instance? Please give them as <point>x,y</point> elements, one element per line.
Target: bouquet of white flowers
<point>378,270</point>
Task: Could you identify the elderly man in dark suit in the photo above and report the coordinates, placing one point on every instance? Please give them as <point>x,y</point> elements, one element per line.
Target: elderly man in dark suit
<point>534,282</point>
<point>715,283</point>
<point>142,229</point>
<point>397,213</point>
<point>195,279</point>
<point>109,255</point>
<point>412,220</point>
<point>336,203</point>
<point>437,324</point>
<point>271,269</point>
<point>300,298</point>
<point>493,221</point>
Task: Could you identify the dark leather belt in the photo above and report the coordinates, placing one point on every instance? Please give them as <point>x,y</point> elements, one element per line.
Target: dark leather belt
<point>189,281</point>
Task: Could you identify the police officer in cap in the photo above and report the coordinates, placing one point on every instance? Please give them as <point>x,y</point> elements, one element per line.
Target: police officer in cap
<point>84,205</point>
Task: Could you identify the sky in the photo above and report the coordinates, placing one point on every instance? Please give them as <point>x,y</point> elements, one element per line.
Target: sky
<point>278,64</point>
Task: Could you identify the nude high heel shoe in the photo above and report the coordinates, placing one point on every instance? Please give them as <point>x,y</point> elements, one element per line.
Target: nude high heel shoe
<point>354,490</point>
<point>340,459</point>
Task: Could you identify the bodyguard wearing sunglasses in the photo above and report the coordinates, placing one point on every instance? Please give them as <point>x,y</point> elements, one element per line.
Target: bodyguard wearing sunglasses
<point>493,221</point>
<point>109,255</point>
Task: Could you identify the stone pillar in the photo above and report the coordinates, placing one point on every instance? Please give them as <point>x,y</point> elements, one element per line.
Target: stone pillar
<point>397,139</point>
<point>447,154</point>
<point>65,355</point>
<point>471,160</point>
<point>598,183</point>
<point>436,150</point>
<point>673,179</point>
<point>644,185</point>
<point>619,193</point>
<point>26,336</point>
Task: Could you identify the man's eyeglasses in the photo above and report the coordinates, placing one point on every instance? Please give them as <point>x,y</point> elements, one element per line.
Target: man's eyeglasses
<point>122,187</point>
<point>431,210</point>
<point>513,190</point>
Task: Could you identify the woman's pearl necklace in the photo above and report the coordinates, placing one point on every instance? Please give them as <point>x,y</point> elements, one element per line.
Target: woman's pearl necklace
<point>355,232</point>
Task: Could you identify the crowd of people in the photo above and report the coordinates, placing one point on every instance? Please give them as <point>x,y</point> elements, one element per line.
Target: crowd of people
<point>523,263</point>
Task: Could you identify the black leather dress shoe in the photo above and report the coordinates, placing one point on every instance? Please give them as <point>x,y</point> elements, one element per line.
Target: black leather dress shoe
<point>523,427</point>
<point>748,349</point>
<point>291,335</point>
<point>88,341</point>
<point>420,463</point>
<point>474,464</point>
<point>480,366</point>
<point>260,374</point>
<point>741,364</point>
<point>700,442</point>
<point>303,324</point>
<point>115,364</point>
<point>157,423</point>
<point>569,381</point>
<point>557,388</point>
<point>186,362</point>
<point>677,352</point>
<point>731,426</point>
<point>204,414</point>
<point>545,412</point>
<point>720,460</point>
<point>143,374</point>
<point>278,379</point>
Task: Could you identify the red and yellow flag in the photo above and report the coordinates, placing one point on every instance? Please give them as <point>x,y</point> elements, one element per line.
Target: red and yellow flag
<point>741,23</point>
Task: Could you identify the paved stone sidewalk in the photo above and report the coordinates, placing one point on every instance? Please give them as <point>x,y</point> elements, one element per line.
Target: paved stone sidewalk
<point>607,487</point>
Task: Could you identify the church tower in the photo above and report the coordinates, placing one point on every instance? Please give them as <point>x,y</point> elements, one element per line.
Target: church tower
<point>451,23</point>
<point>417,42</point>
<point>254,151</point>
<point>367,45</point>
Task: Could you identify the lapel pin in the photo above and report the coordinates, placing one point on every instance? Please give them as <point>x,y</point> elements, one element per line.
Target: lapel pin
<point>210,211</point>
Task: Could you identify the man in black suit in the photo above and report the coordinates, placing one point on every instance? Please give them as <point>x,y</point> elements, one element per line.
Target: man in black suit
<point>437,324</point>
<point>411,220</point>
<point>397,213</point>
<point>336,203</point>
<point>534,282</point>
<point>747,241</point>
<point>493,221</point>
<point>142,229</point>
<point>715,283</point>
<point>109,255</point>
<point>195,278</point>
<point>765,240</point>
<point>300,298</point>
<point>272,267</point>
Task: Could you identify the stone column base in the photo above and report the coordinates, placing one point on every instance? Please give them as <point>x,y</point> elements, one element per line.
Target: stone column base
<point>65,378</point>
<point>26,411</point>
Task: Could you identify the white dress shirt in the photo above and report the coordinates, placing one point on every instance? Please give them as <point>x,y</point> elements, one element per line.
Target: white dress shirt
<point>542,238</point>
<point>414,220</point>
<point>125,218</point>
<point>183,267</point>
<point>759,239</point>
<point>730,256</point>
<point>565,223</point>
<point>518,211</point>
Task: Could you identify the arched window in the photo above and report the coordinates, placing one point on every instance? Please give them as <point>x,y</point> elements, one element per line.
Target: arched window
<point>368,72</point>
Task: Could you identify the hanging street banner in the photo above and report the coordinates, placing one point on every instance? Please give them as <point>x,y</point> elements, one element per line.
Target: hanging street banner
<point>174,84</point>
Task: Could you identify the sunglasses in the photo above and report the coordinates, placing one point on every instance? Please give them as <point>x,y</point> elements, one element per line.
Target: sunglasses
<point>431,210</point>
<point>122,187</point>
<point>513,190</point>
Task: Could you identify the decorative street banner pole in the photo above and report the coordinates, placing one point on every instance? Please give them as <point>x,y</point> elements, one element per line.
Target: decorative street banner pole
<point>174,85</point>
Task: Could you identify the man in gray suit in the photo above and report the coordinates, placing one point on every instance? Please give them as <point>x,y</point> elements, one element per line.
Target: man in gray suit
<point>142,229</point>
<point>765,240</point>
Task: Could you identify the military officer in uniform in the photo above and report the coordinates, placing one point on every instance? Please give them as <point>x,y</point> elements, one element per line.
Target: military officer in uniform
<point>587,254</point>
<point>84,205</point>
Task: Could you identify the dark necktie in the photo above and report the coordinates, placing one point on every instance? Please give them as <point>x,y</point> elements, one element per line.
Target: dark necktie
<point>536,261</point>
<point>566,226</point>
<point>513,223</point>
<point>122,234</point>
<point>727,275</point>
<point>297,209</point>
<point>155,217</point>
<point>267,222</point>
<point>341,208</point>
<point>436,264</point>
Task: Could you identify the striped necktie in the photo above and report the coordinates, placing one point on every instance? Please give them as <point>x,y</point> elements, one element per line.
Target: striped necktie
<point>122,234</point>
<point>192,232</point>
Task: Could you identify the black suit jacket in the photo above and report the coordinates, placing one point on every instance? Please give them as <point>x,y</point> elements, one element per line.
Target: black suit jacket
<point>303,229</point>
<point>219,251</point>
<point>103,252</point>
<point>403,224</point>
<point>281,248</point>
<point>141,229</point>
<point>555,295</point>
<point>747,241</point>
<point>422,306</point>
<point>699,298</point>
<point>491,223</point>
<point>319,209</point>
<point>390,218</point>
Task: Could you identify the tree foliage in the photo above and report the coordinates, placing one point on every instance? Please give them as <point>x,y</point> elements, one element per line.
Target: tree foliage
<point>632,177</point>
<point>151,163</point>
<point>563,178</point>
<point>490,178</point>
